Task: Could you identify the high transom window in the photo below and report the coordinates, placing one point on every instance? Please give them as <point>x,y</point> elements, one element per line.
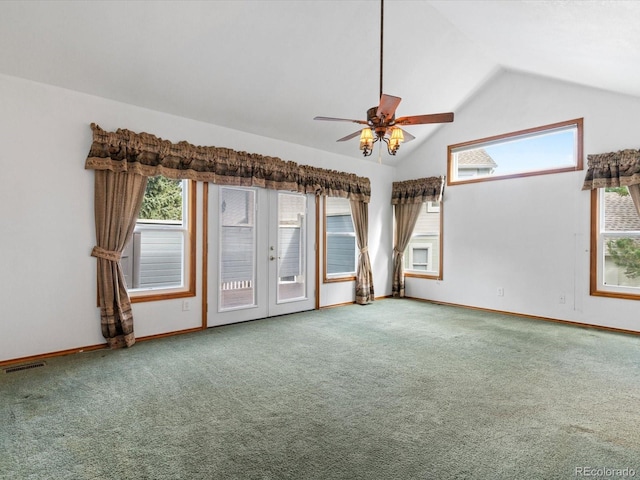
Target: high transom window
<point>542,150</point>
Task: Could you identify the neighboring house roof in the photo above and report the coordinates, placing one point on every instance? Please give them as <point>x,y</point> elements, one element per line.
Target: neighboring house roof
<point>620,213</point>
<point>475,158</point>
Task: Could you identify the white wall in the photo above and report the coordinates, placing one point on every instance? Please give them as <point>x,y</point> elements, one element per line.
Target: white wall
<point>530,235</point>
<point>47,280</point>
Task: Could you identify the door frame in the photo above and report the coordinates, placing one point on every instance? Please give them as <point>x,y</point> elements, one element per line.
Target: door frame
<point>313,244</point>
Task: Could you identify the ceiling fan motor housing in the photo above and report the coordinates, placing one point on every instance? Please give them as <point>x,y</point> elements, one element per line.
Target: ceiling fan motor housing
<point>379,122</point>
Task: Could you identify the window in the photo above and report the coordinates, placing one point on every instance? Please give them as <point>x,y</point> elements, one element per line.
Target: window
<point>159,260</point>
<point>549,149</point>
<point>340,240</point>
<point>423,256</point>
<point>420,258</point>
<point>615,244</point>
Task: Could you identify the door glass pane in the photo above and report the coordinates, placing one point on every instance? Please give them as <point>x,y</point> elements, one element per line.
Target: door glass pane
<point>237,248</point>
<point>291,247</point>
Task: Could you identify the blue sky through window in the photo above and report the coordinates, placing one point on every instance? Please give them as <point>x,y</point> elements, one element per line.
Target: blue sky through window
<point>540,152</point>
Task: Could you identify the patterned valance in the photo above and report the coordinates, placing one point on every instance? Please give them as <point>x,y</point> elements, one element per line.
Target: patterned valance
<point>148,155</point>
<point>615,169</point>
<point>417,191</point>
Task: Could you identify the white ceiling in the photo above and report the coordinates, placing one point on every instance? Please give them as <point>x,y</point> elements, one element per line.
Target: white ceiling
<point>268,67</point>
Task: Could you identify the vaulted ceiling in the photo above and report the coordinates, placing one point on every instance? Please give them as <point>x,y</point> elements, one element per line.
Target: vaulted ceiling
<point>269,66</point>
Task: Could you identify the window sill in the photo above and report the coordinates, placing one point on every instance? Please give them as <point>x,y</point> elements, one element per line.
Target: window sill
<point>350,278</point>
<point>160,294</point>
<point>429,276</point>
<point>619,295</point>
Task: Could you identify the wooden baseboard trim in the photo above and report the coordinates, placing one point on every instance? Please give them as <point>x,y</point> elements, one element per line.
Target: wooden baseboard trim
<point>60,353</point>
<point>533,317</point>
<point>344,304</point>
<point>169,334</point>
<point>72,351</point>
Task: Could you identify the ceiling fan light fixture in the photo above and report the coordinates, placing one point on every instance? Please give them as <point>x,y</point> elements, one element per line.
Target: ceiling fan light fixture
<point>383,126</point>
<point>397,137</point>
<point>366,141</point>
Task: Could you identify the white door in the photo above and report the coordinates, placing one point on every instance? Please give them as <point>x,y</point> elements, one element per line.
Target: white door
<point>261,254</point>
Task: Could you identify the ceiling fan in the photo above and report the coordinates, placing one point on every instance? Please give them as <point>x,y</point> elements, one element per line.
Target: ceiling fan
<point>381,123</point>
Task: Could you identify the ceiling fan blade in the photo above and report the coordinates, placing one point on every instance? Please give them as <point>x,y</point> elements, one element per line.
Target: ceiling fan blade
<point>421,119</point>
<point>349,137</point>
<point>388,105</point>
<point>407,136</point>
<point>332,119</point>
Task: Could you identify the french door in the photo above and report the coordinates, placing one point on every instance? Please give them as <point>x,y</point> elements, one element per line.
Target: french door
<point>261,254</point>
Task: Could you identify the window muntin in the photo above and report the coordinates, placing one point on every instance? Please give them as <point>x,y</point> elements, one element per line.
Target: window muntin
<point>339,240</point>
<point>158,261</point>
<point>615,264</point>
<point>423,255</point>
<point>542,150</point>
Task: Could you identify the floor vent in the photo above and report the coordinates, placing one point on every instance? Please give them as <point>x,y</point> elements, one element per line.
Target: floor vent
<point>25,366</point>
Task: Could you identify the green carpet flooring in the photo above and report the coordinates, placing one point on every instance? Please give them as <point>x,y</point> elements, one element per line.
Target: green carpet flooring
<point>397,389</point>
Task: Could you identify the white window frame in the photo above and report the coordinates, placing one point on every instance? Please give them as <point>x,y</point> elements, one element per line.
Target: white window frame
<point>302,226</point>
<point>186,288</point>
<point>251,222</point>
<point>421,246</point>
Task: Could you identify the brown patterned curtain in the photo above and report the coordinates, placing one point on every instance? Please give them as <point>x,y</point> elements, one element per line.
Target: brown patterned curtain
<point>615,169</point>
<point>118,198</point>
<point>634,192</point>
<point>147,155</point>
<point>406,216</point>
<point>408,198</point>
<point>364,275</point>
<point>123,160</point>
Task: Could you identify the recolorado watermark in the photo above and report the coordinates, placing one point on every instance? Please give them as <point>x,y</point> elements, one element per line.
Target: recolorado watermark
<point>604,472</point>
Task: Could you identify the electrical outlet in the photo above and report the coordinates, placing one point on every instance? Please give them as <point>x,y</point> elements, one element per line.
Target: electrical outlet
<point>186,306</point>
<point>500,292</point>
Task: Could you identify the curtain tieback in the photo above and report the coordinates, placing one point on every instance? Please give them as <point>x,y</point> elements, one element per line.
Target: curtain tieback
<point>364,250</point>
<point>397,252</point>
<point>100,252</point>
